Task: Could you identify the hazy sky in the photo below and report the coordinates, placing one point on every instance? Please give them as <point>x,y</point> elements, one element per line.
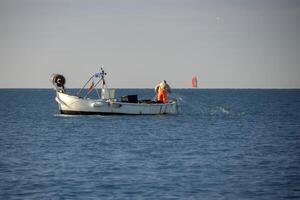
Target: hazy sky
<point>227,44</point>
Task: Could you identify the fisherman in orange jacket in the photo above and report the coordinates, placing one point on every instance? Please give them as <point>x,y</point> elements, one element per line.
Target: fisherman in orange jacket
<point>162,91</point>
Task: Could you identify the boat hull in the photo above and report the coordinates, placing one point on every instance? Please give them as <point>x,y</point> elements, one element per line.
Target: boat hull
<point>74,105</point>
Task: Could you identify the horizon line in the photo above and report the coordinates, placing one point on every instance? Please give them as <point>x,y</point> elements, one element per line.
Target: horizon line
<point>237,88</point>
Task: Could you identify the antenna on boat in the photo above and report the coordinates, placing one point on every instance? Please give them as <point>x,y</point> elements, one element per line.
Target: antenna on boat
<point>102,74</point>
<point>104,90</point>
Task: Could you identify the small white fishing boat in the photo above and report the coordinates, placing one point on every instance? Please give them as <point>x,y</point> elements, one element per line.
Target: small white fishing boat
<point>106,103</point>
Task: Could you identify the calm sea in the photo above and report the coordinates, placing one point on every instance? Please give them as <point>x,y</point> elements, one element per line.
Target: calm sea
<point>224,144</point>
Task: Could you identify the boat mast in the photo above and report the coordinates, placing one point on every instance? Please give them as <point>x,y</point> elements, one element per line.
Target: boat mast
<point>101,76</point>
<point>104,86</point>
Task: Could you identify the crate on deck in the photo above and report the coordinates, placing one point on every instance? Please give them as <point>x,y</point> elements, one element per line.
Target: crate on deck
<point>129,99</point>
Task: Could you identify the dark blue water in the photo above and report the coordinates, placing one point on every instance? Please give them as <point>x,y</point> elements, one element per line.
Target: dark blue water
<point>225,144</point>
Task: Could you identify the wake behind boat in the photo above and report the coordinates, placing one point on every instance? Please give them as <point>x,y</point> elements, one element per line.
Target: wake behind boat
<point>106,102</point>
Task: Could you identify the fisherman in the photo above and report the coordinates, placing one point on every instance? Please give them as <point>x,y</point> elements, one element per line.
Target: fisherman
<point>162,89</point>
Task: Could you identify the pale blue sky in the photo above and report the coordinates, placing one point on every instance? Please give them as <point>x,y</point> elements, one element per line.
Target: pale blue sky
<point>227,44</point>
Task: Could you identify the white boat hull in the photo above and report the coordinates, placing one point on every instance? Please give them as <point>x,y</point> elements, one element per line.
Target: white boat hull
<point>69,104</point>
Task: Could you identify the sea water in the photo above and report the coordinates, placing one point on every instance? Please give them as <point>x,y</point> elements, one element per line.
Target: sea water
<point>224,144</point>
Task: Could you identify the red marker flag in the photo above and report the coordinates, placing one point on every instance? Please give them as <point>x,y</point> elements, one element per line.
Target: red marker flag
<point>92,86</point>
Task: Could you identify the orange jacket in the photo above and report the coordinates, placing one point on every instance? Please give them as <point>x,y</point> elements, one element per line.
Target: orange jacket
<point>162,95</point>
